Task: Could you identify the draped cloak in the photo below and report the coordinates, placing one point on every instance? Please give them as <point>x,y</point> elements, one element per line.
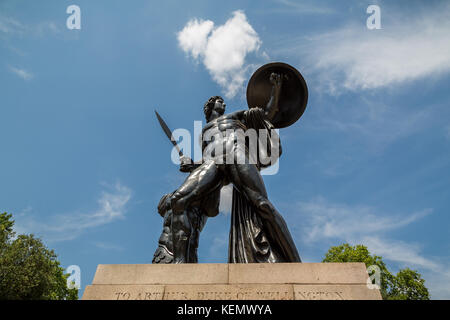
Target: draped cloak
<point>250,239</point>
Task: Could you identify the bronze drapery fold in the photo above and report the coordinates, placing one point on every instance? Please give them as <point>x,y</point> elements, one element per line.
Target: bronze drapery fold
<point>248,242</point>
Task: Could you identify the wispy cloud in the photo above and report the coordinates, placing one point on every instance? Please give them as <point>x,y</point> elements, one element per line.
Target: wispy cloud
<point>21,73</point>
<point>304,7</point>
<point>222,49</point>
<point>111,206</point>
<point>354,58</point>
<point>436,273</point>
<point>330,220</point>
<point>108,246</point>
<point>405,253</point>
<point>11,26</point>
<point>373,122</point>
<point>439,282</point>
<point>323,221</point>
<point>46,27</point>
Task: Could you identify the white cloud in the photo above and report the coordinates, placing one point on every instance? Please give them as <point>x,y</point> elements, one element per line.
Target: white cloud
<point>194,37</point>
<point>406,49</point>
<point>21,73</point>
<point>222,49</point>
<point>111,207</point>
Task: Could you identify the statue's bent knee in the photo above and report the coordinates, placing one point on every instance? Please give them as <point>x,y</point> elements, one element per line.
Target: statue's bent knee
<point>265,208</point>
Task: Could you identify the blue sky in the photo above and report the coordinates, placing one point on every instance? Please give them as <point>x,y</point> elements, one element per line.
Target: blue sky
<point>84,161</point>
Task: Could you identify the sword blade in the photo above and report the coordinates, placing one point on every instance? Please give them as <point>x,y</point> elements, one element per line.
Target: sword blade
<point>168,132</point>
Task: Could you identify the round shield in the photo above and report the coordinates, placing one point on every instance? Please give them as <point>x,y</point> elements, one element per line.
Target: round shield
<point>293,95</point>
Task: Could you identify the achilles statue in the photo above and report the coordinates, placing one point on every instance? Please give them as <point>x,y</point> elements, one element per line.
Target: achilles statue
<point>277,96</point>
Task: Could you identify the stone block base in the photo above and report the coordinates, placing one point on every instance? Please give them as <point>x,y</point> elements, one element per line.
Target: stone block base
<point>265,281</point>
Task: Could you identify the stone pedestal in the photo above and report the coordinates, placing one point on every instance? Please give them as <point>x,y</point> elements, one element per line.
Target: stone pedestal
<point>263,281</point>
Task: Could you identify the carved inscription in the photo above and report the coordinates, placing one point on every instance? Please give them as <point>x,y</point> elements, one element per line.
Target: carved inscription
<point>139,296</point>
<point>238,294</point>
<point>213,295</point>
<point>275,295</point>
<point>176,295</point>
<point>319,295</point>
<point>205,295</point>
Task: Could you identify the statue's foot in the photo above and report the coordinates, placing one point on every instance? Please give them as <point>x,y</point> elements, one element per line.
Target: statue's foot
<point>162,256</point>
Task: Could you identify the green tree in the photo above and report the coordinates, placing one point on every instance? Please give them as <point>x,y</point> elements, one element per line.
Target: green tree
<point>408,285</point>
<point>405,285</point>
<point>29,270</point>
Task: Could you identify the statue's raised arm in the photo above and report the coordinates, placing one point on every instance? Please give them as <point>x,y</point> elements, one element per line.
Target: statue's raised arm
<point>271,109</point>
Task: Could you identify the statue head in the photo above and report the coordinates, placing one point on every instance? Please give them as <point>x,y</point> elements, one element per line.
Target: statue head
<point>216,104</point>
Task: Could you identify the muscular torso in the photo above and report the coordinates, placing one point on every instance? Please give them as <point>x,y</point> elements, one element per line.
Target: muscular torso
<point>221,135</point>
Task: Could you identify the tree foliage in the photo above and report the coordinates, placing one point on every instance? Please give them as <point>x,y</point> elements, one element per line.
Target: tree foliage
<point>407,284</point>
<point>29,270</point>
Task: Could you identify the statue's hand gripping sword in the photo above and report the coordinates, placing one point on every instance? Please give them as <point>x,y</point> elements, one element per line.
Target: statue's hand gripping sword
<point>168,133</point>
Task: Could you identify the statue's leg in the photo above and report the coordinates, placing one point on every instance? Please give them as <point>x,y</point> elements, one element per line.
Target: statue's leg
<point>247,179</point>
<point>164,252</point>
<point>197,220</point>
<point>200,182</point>
<point>181,233</point>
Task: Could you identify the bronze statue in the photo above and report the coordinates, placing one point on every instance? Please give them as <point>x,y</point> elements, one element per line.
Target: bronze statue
<point>277,96</point>
<point>179,238</point>
<point>178,242</point>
